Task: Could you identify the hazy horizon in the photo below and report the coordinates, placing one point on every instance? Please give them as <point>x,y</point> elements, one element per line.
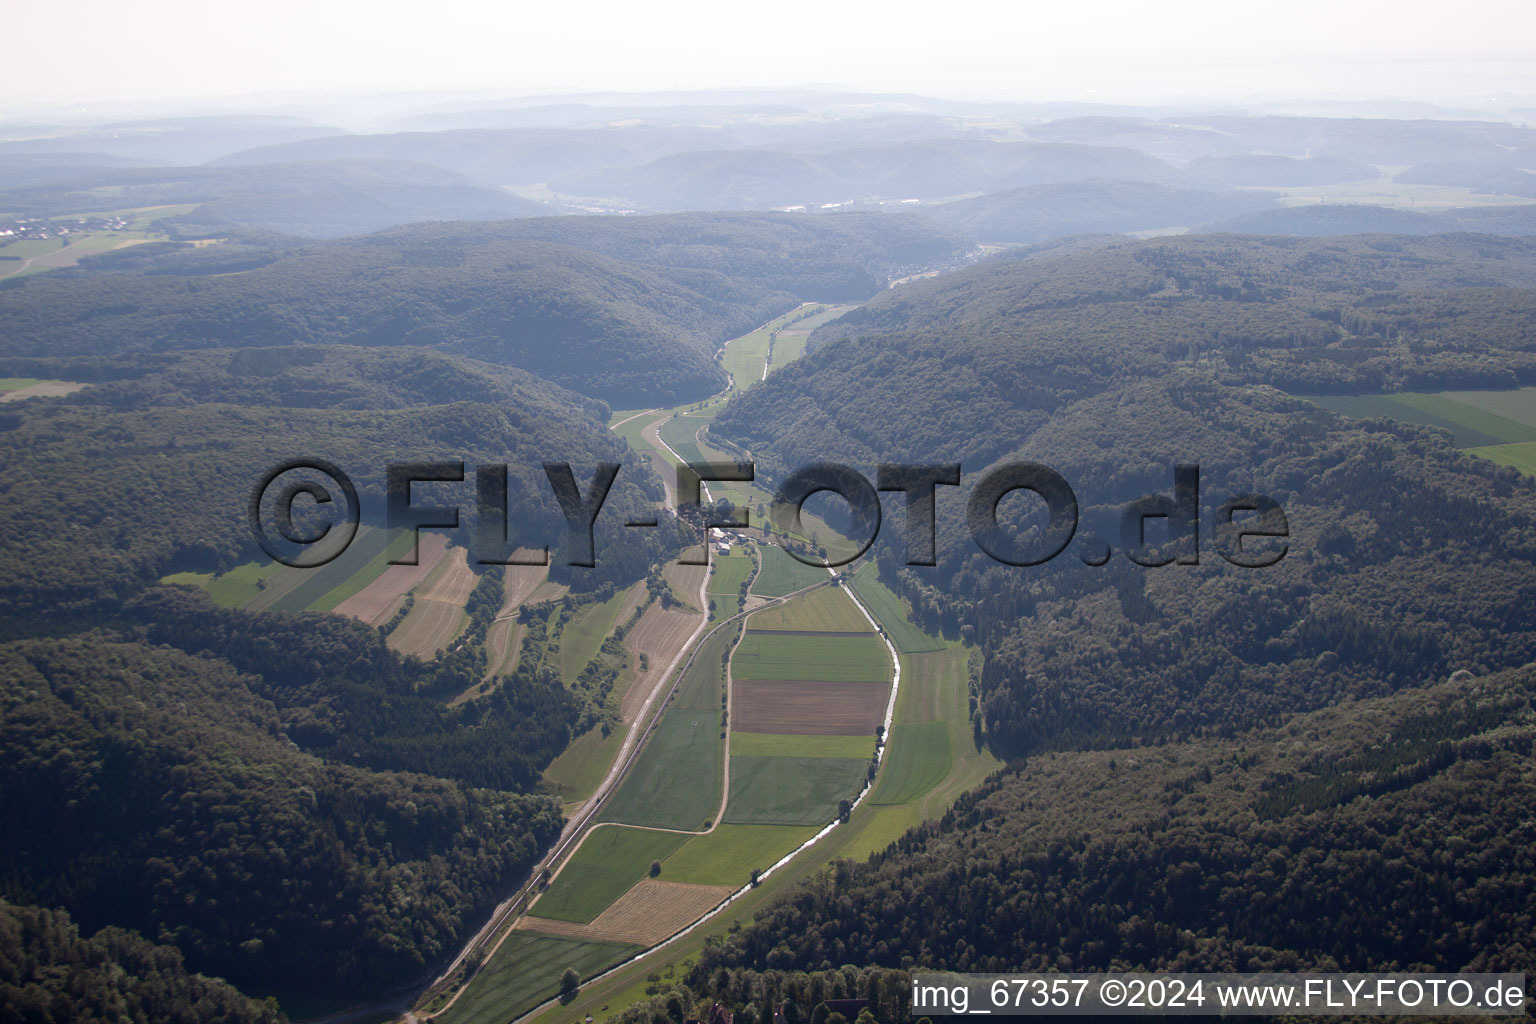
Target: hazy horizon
<point>106,60</point>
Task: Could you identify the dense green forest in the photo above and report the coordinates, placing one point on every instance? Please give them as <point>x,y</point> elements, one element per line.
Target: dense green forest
<point>623,332</point>
<point>1113,363</point>
<point>159,791</point>
<point>50,972</point>
<point>1087,207</point>
<point>837,257</point>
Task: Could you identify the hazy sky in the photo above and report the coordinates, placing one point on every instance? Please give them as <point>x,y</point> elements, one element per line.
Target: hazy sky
<point>1123,50</point>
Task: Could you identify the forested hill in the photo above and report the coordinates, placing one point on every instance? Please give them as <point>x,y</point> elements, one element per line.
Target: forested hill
<point>831,258</point>
<point>164,792</point>
<point>1112,364</point>
<point>628,333</point>
<point>162,484</point>
<point>1056,210</point>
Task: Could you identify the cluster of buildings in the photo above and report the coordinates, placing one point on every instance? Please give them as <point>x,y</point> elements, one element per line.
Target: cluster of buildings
<point>40,229</point>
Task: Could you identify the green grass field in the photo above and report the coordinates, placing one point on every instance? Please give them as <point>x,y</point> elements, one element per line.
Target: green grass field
<point>791,790</point>
<point>767,744</point>
<point>704,684</point>
<point>920,758</point>
<point>610,861</point>
<point>727,855</point>
<point>743,358</point>
<point>526,971</point>
<point>825,610</point>
<point>890,611</point>
<point>1522,456</point>
<point>233,589</point>
<point>575,774</point>
<point>17,383</point>
<point>1468,417</point>
<point>675,783</point>
<point>782,574</point>
<point>584,632</point>
<point>1518,405</point>
<point>731,571</point>
<point>835,659</point>
<point>679,432</point>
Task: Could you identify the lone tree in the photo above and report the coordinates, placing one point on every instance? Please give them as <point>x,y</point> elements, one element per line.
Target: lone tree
<point>570,981</point>
<point>655,868</point>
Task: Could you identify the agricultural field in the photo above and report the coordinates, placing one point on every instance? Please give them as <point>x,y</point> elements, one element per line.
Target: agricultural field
<point>704,683</point>
<point>609,861</point>
<point>260,586</point>
<point>791,790</point>
<point>727,855</point>
<point>1475,419</point>
<point>745,357</point>
<point>17,383</point>
<point>675,782</point>
<point>659,635</point>
<point>761,744</point>
<point>827,610</point>
<point>731,571</point>
<point>889,609</point>
<point>808,708</point>
<point>437,616</point>
<point>376,600</point>
<point>525,971</point>
<point>680,432</point>
<point>782,574</point>
<point>1522,456</point>
<point>652,910</point>
<point>920,761</point>
<point>850,658</point>
<point>576,773</point>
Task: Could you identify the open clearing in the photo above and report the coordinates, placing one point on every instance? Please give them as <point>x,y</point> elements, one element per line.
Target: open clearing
<point>703,685</point>
<point>675,782</point>
<point>764,744</point>
<point>14,389</point>
<point>285,589</point>
<point>791,790</point>
<point>525,971</point>
<point>890,611</point>
<point>727,855</point>
<point>844,659</point>
<point>575,774</point>
<point>652,910</point>
<point>782,574</point>
<point>685,581</point>
<point>731,571</point>
<point>1521,456</point>
<point>610,860</point>
<point>659,635</point>
<point>375,602</point>
<point>585,631</point>
<point>437,616</point>
<point>1470,416</point>
<point>924,761</point>
<point>808,708</point>
<point>826,610</point>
